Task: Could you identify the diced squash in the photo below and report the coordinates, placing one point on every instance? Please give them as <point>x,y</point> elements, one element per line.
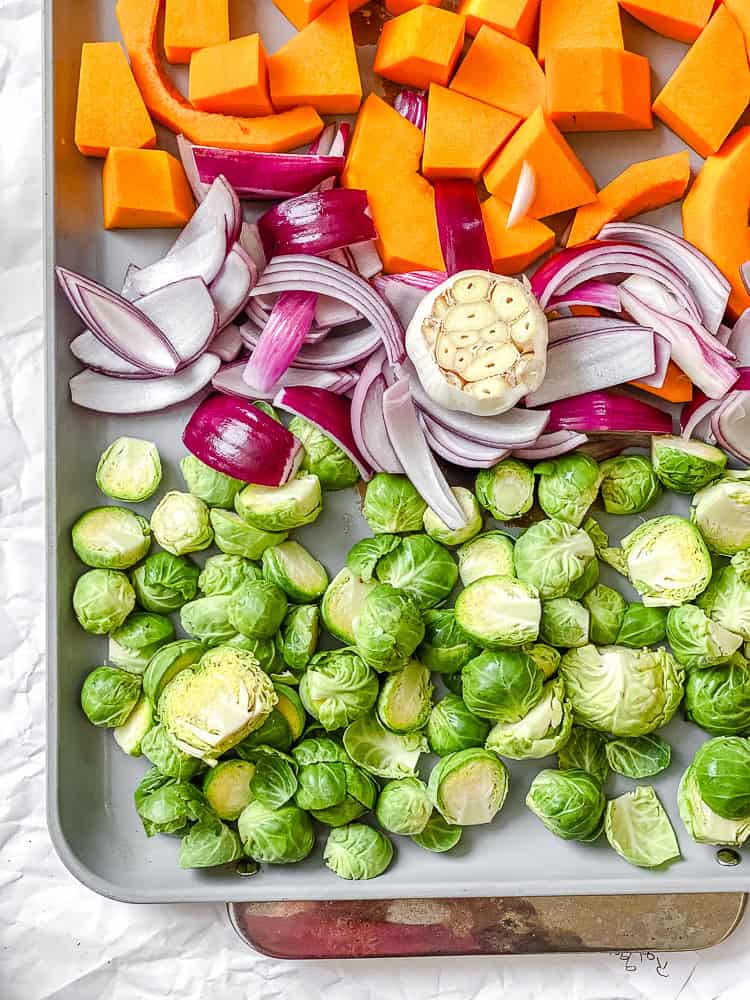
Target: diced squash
<point>194,24</point>
<point>513,250</point>
<point>318,66</point>
<point>302,12</point>
<point>420,47</point>
<point>680,19</point>
<point>715,213</point>
<point>110,110</point>
<point>514,18</point>
<point>562,182</point>
<point>740,10</point>
<point>383,158</point>
<point>144,189</point>
<point>462,134</point>
<point>677,387</point>
<point>231,78</point>
<point>502,72</point>
<point>572,24</point>
<point>270,134</point>
<point>397,7</point>
<point>598,90</point>
<point>641,187</point>
<point>705,96</point>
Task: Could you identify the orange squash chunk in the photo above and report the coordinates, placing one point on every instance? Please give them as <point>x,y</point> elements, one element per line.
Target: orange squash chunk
<point>598,90</point>
<point>514,18</point>
<point>740,11</point>
<point>572,24</point>
<point>397,7</point>
<point>680,19</point>
<point>562,181</point>
<point>462,134</point>
<point>715,213</point>
<point>144,189</point>
<point>705,96</point>
<point>302,12</point>
<point>194,24</point>
<point>513,250</point>
<point>318,66</point>
<point>420,47</point>
<point>384,157</point>
<point>231,78</point>
<point>641,187</point>
<point>110,110</point>
<point>501,72</point>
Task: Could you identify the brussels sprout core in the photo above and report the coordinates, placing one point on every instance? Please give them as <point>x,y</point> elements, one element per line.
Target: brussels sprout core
<point>667,561</point>
<point>181,524</point>
<point>130,469</point>
<point>468,788</point>
<point>506,490</point>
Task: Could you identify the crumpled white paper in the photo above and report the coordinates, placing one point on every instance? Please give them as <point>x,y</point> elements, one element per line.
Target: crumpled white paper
<point>58,939</point>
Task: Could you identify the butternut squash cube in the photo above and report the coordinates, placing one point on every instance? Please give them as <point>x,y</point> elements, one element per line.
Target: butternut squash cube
<point>514,18</point>
<point>513,250</point>
<point>194,24</point>
<point>680,19</point>
<point>396,7</point>
<point>572,24</point>
<point>420,47</point>
<point>144,189</point>
<point>501,72</point>
<point>231,78</point>
<point>598,90</point>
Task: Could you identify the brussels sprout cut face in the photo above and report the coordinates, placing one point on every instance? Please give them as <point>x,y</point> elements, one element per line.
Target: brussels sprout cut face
<point>489,554</point>
<point>722,514</point>
<point>629,484</point>
<point>422,568</point>
<point>702,823</point>
<point>342,602</point>
<point>569,803</point>
<point>181,523</point>
<point>544,729</point>
<point>698,642</point>
<point>102,600</point>
<point>686,466</point>
<point>667,561</point>
<point>438,530</point>
<point>639,830</point>
<point>130,735</point>
<point>323,457</point>
<point>551,555</point>
<point>357,851</point>
<point>497,611</point>
<point>404,806</point>
<point>506,490</point>
<point>468,788</point>
<point>722,770</point>
<point>281,508</point>
<point>405,699</point>
<point>111,537</point>
<point>392,505</point>
<point>727,601</point>
<point>567,486</point>
<point>130,469</point>
<point>291,567</point>
<point>214,488</point>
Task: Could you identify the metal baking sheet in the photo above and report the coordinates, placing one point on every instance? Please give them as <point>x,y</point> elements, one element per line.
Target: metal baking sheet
<point>91,816</point>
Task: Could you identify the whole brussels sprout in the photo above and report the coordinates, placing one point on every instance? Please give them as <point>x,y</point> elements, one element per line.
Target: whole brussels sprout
<point>564,622</point>
<point>586,582</point>
<point>452,727</point>
<point>208,843</point>
<point>506,490</point>
<point>546,657</point>
<point>544,729</point>
<point>567,486</point>
<point>436,528</point>
<point>392,505</point>
<point>130,469</point>
<point>721,513</point>
<point>502,685</point>
<point>405,699</point>
<point>299,635</point>
<point>236,537</point>
<point>111,537</point>
<point>722,771</point>
<point>331,787</point>
<point>702,823</point>
<point>323,457</point>
<point>388,628</point>
<point>364,555</point>
<point>445,648</point>
<point>570,803</point>
<point>166,663</point>
<point>109,695</point>
<point>222,575</point>
<point>132,645</point>
<point>438,836</point>
<point>337,688</point>
<point>404,806</point>
<point>686,466</point>
<point>257,609</point>
<point>489,554</point>
<point>468,788</point>
<point>698,642</point>
<point>382,752</point>
<point>667,561</point>
<point>585,750</point>
<point>163,752</point>
<point>227,787</point>
<point>164,582</point>
<point>102,600</point>
<point>281,508</point>
<point>421,568</point>
<point>166,805</point>
<point>342,602</point>
<point>726,601</point>
<point>295,571</point>
<point>275,836</point>
<point>498,611</point>
<point>606,608</point>
<point>718,699</point>
<point>629,484</point>
<point>214,488</point>
<point>642,626</point>
<point>180,523</point>
<point>639,756</point>
<point>551,556</point>
<point>638,828</point>
<point>207,619</point>
<point>357,851</point>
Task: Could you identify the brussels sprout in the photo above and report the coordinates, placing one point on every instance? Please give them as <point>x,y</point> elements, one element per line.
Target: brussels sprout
<point>727,601</point>
<point>551,556</point>
<point>586,750</point>
<point>626,692</point>
<point>545,657</point>
<point>236,537</point>
<point>364,555</point>
<point>274,782</point>
<point>436,528</point>
<point>281,508</point>
<point>697,641</point>
<point>502,685</point>
<point>638,828</point>
<point>469,787</point>
<point>445,648</point>
<point>741,565</point>
<point>718,699</point>
<point>667,561</point>
<point>686,466</point>
<point>421,568</point>
<point>129,736</point>
<point>281,728</point>
<point>276,836</point>
<point>227,787</point>
<point>613,557</point>
<point>323,457</point>
<point>338,687</point>
<point>392,505</point>
<point>639,756</point>
<point>642,626</point>
<point>721,512</point>
<point>405,699</point>
<point>722,771</point>
<point>265,651</point>
<point>132,645</point>
<point>330,785</point>
<point>207,619</point>
<point>291,567</point>
<point>257,609</point>
<point>357,851</point>
<point>299,635</point>
<point>404,806</point>
<point>209,843</point>
<point>629,484</point>
<point>454,683</point>
<point>506,490</point>
<point>265,407</point>
<point>109,695</point>
<point>166,805</point>
<point>567,486</point>
<point>111,537</point>
<point>159,748</point>
<point>166,663</point>
<point>388,628</point>
<point>564,622</point>
<point>542,731</point>
<point>210,707</point>
<point>498,611</point>
<point>222,575</point>
<point>438,836</point>
<point>102,600</point>
<point>452,727</point>
<point>489,554</point>
<point>342,603</point>
<point>382,752</point>
<point>164,582</point>
<point>130,469</point>
<point>214,488</point>
<point>702,823</point>
<point>570,803</point>
<point>180,523</point>
<point>606,608</point>
<point>586,582</point>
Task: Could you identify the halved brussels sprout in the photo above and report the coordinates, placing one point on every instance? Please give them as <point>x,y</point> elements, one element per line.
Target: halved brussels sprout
<point>164,582</point>
<point>274,781</point>
<point>445,648</point>
<point>323,457</point>
<point>102,600</point>
<point>726,601</point>
<point>722,771</point>
<point>405,699</point>
<point>608,554</point>
<point>489,554</point>
<point>158,747</point>
<point>333,789</point>
<point>718,699</point>
<point>741,565</point>
<point>130,735</point>
<point>392,505</point>
<point>564,623</point>
<point>167,662</point>
<point>667,561</point>
<point>207,619</point>
<point>382,752</point>
<point>606,608</point>
<point>586,582</point>
<point>546,657</point>
<point>257,609</point>
<point>275,836</point>
<point>629,484</point>
<point>265,651</point>
<point>437,529</point>
<point>342,603</point>
<point>586,750</point>
<point>542,731</point>
<point>420,567</point>
<point>132,645</point>
<point>109,695</point>
<point>130,469</point>
<point>404,806</point>
<point>639,756</point>
<point>698,642</point>
<point>452,727</point>
<point>568,485</point>
<point>642,626</point>
<point>502,685</point>
<point>111,537</point>
<point>236,537</point>
<point>468,788</point>
<point>721,512</point>
<point>551,556</point>
<point>281,508</point>
<point>227,787</point>
<point>388,628</point>
<point>337,688</point>
<point>702,823</point>
<point>222,575</point>
<point>299,635</point>
<point>498,611</point>
<point>506,490</point>
<point>180,523</point>
<point>209,843</point>
<point>686,466</point>
<point>639,830</point>
<point>357,851</point>
<point>570,803</point>
<point>438,836</point>
<point>214,488</point>
<point>299,574</point>
<point>364,555</point>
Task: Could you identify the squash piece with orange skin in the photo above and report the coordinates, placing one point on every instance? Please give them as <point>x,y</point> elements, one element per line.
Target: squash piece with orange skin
<point>231,78</point>
<point>513,250</point>
<point>420,47</point>
<point>705,96</point>
<point>110,110</point>
<point>318,66</point>
<point>190,25</point>
<point>270,134</point>
<point>715,213</point>
<point>384,156</point>
<point>598,90</point>
<point>680,19</point>
<point>501,72</point>
<point>572,24</point>
<point>641,187</point>
<point>515,18</point>
<point>740,11</point>
<point>677,387</point>
<point>462,135</point>
<point>144,189</point>
<point>562,181</point>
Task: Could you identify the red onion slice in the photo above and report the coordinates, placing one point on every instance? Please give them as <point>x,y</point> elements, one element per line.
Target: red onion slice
<point>551,446</point>
<point>266,176</point>
<point>185,313</point>
<point>185,149</point>
<point>231,287</point>
<point>694,412</point>
<point>229,379</point>
<point>332,312</point>
<point>460,227</point>
<point>219,209</point>
<point>602,412</point>
<point>404,292</point>
<point>227,344</point>
<point>92,353</point>
<point>599,294</point>
<point>335,352</point>
<point>368,425</point>
<point>731,425</point>
<point>317,222</point>
<point>366,259</point>
<point>252,244</point>
<point>281,339</point>
<point>739,339</point>
<point>412,105</point>
<point>201,258</point>
<point>128,396</point>
<point>457,449</point>
<point>523,197</point>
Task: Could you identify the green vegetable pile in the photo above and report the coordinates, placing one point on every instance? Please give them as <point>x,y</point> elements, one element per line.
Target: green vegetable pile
<point>257,735</point>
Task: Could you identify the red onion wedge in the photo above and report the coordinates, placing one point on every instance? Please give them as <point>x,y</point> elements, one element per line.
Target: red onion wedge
<point>128,396</point>
<point>252,244</point>
<point>281,339</point>
<point>551,446</point>
<point>332,312</point>
<point>724,335</point>
<point>460,227</point>
<point>662,357</point>
<point>601,412</point>
<point>185,313</point>
<point>412,105</point>
<point>405,291</point>
<point>599,294</point>
<point>694,412</point>
<point>231,287</point>
<point>739,339</point>
<point>366,259</point>
<point>731,425</point>
<point>331,414</point>
<point>92,353</point>
<point>457,449</point>
<point>368,425</point>
<point>201,258</point>
<point>221,207</point>
<point>331,141</point>
<point>266,176</point>
<point>335,352</point>
<point>234,437</point>
<point>523,197</point>
<point>227,344</point>
<point>185,149</point>
<point>229,379</point>
<point>317,222</point>
<point>576,326</point>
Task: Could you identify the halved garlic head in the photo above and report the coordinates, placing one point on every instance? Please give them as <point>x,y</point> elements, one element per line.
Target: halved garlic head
<point>479,342</point>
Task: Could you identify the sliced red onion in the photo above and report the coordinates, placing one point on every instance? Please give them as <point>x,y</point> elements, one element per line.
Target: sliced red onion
<point>340,139</point>
<point>332,312</point>
<point>459,450</point>
<point>739,339</point>
<point>330,413</point>
<point>265,176</point>
<point>579,326</point>
<point>185,149</point>
<point>336,352</point>
<point>321,146</point>
<point>367,262</point>
<point>229,379</point>
<point>201,258</point>
<point>693,413</point>
<point>127,396</point>
<point>602,412</point>
<point>408,440</point>
<point>731,425</point>
<point>412,105</point>
<point>317,222</point>
<point>185,313</point>
<point>460,227</point>
<point>227,344</point>
<point>92,353</point>
<point>231,287</point>
<point>551,446</point>
<point>405,291</point>
<point>252,244</point>
<point>281,339</point>
<point>368,425</point>
<point>662,357</point>
<point>220,208</point>
<point>599,294</point>
<point>523,197</point>
<point>745,275</point>
<point>724,334</point>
